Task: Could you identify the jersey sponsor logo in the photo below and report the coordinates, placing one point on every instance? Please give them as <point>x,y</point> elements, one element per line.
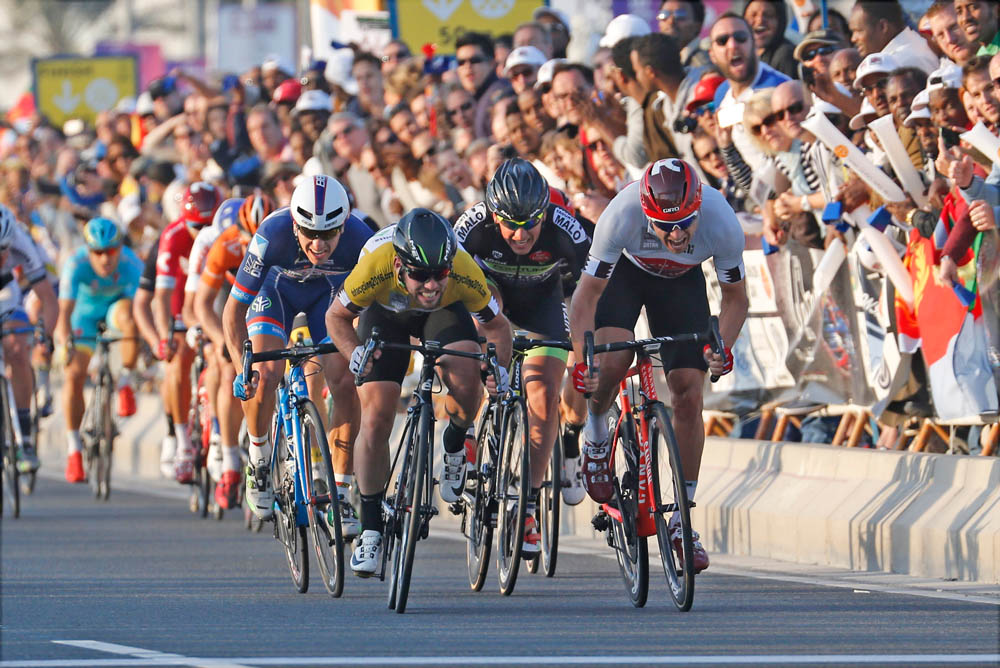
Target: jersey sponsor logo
<point>469,220</point>
<point>462,279</point>
<point>661,266</point>
<point>497,254</point>
<point>540,256</point>
<point>258,245</point>
<point>163,262</point>
<point>261,303</point>
<point>650,242</point>
<point>253,266</point>
<point>566,222</point>
<point>371,283</point>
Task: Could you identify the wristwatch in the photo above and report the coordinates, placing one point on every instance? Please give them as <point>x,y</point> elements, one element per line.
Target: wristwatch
<point>804,204</point>
<point>909,216</point>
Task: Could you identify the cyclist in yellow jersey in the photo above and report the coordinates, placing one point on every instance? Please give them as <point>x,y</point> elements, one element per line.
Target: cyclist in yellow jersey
<point>412,279</point>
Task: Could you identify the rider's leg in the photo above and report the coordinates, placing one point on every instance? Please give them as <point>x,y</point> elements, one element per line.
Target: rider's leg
<point>686,394</point>
<point>371,449</point>
<point>259,408</point>
<point>119,318</point>
<point>73,407</point>
<point>346,416</point>
<point>230,415</point>
<point>179,374</point>
<point>541,375</point>
<point>17,354</point>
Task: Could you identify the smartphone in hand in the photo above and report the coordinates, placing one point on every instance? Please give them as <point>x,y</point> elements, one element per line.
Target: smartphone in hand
<point>950,137</point>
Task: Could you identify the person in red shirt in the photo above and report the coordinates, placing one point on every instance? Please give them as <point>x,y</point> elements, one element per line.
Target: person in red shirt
<point>198,204</point>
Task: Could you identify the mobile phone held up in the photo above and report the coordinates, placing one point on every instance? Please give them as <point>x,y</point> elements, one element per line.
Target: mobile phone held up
<point>949,136</point>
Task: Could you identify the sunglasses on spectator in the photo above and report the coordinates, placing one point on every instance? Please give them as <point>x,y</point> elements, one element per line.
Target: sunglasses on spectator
<point>395,57</point>
<point>708,155</point>
<point>594,145</point>
<point>670,226</point>
<point>768,121</point>
<point>790,110</point>
<point>110,252</point>
<point>465,106</point>
<point>708,108</point>
<point>334,136</point>
<point>880,84</point>
<point>390,138</point>
<point>521,224</point>
<point>824,50</point>
<point>741,36</point>
<point>474,60</point>
<point>678,14</point>
<point>521,72</point>
<point>322,235</point>
<point>429,153</point>
<point>424,275</point>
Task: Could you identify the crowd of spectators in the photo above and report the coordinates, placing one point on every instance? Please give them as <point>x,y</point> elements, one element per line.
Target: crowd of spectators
<point>401,129</point>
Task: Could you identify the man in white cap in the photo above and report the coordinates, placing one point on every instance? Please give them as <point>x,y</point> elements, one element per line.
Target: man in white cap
<point>903,86</point>
<point>543,84</point>
<point>558,26</point>
<point>521,67</point>
<point>622,26</point>
<point>919,121</point>
<point>312,110</point>
<point>871,79</point>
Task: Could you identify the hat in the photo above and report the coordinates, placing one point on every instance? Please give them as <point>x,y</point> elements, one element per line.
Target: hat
<point>129,208</point>
<point>272,62</point>
<point>288,91</point>
<point>622,26</point>
<point>523,55</point>
<point>313,100</point>
<point>73,127</point>
<point>865,115</point>
<point>821,106</point>
<point>817,37</point>
<point>546,71</point>
<point>557,14</point>
<point>704,91</point>
<point>144,104</point>
<point>946,76</point>
<point>338,70</point>
<point>917,114</point>
<point>162,87</point>
<point>126,105</point>
<point>921,101</point>
<point>874,63</point>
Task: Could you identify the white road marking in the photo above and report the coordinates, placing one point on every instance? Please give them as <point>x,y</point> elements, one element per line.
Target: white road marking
<point>153,658</point>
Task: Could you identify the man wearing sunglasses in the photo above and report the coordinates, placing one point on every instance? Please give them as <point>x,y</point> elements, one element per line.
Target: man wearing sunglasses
<point>683,20</point>
<point>530,250</point>
<point>294,263</point>
<point>96,285</point>
<point>477,74</point>
<point>648,248</point>
<point>413,279</point>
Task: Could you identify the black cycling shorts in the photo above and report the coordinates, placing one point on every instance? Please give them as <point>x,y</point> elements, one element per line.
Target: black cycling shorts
<point>447,325</point>
<point>673,306</point>
<point>539,309</point>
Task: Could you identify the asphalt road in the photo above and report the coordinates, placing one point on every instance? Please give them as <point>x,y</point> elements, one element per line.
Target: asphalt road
<point>139,581</point>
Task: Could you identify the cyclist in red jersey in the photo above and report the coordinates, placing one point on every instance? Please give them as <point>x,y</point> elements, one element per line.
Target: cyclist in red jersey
<point>198,204</point>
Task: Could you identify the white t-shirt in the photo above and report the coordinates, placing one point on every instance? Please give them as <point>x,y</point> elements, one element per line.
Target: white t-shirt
<point>199,253</point>
<point>623,229</point>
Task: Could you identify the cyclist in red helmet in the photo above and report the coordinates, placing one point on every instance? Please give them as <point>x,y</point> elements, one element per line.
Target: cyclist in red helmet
<point>665,225</point>
<point>198,204</point>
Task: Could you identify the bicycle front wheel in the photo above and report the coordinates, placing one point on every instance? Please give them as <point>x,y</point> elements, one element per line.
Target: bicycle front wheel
<point>480,509</point>
<point>324,507</point>
<point>673,516</point>
<point>105,438</point>
<point>631,549</point>
<point>410,514</point>
<point>291,536</point>
<point>513,489</point>
<point>11,486</point>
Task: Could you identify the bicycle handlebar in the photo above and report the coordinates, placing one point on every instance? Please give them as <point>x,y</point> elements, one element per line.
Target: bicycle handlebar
<point>294,353</point>
<point>428,349</point>
<point>522,343</point>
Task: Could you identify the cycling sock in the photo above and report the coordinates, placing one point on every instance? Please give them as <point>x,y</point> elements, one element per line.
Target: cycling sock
<point>183,438</point>
<point>43,382</point>
<point>453,438</point>
<point>344,482</point>
<point>125,378</point>
<point>230,458</point>
<point>691,486</point>
<point>371,512</point>
<point>596,429</point>
<point>73,441</point>
<point>571,440</point>
<point>216,429</point>
<point>260,448</point>
<point>170,426</point>
<point>24,420</point>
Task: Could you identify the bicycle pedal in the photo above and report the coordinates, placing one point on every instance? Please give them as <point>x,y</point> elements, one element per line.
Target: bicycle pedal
<point>457,508</point>
<point>601,522</point>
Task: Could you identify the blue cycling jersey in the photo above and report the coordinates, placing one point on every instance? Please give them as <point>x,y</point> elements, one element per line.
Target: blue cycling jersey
<point>78,280</point>
<point>275,247</point>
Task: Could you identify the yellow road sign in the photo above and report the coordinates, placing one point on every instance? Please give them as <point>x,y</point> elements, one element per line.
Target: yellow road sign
<point>417,22</point>
<point>81,87</point>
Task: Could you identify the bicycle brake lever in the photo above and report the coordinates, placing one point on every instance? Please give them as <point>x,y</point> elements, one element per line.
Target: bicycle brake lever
<point>588,356</point>
<point>716,343</point>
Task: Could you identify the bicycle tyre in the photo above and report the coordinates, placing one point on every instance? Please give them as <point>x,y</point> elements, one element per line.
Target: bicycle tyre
<point>327,538</point>
<point>293,538</point>
<point>11,484</point>
<point>550,510</point>
<point>107,436</point>
<point>631,549</point>
<point>478,512</point>
<point>669,490</point>
<point>413,516</point>
<point>515,471</point>
<point>392,521</point>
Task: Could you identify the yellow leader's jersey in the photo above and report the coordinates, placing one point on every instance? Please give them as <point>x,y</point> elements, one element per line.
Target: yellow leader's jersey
<point>374,280</point>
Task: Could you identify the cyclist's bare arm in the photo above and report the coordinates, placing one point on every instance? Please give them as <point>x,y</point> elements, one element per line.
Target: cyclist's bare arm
<point>340,328</point>
<point>50,304</point>
<point>162,317</point>
<point>143,315</point>
<point>582,308</point>
<point>204,313</point>
<point>187,311</point>
<point>234,327</point>
<point>63,329</point>
<point>498,332</point>
<point>733,310</point>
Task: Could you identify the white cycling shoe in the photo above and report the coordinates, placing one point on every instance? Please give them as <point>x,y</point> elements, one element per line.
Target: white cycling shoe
<point>453,476</point>
<point>259,494</point>
<point>168,450</point>
<point>367,555</point>
<point>572,481</point>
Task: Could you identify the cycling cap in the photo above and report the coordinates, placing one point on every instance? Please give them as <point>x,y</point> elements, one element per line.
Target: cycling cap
<point>670,191</point>
<point>320,203</point>
<point>517,192</point>
<point>425,240</point>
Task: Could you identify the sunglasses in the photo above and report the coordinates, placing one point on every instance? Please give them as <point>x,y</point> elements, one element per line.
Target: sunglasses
<point>880,84</point>
<point>709,155</point>
<point>678,14</point>
<point>521,72</point>
<point>768,121</point>
<point>424,275</point>
<point>322,235</point>
<point>106,251</point>
<point>531,223</point>
<point>474,60</point>
<point>708,108</point>
<point>465,106</point>
<point>343,133</point>
<point>399,55</point>
<point>670,226</point>
<point>824,50</point>
<point>790,110</point>
<point>429,153</point>
<point>741,36</point>
<point>391,138</point>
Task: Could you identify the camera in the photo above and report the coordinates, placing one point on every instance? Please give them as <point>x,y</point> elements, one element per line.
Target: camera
<point>685,125</point>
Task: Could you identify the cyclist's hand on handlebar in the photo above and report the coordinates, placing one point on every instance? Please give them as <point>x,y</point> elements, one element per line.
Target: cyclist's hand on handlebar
<point>583,382</point>
<point>718,365</point>
<point>62,355</point>
<point>191,337</point>
<point>243,390</point>
<point>165,349</point>
<point>358,356</point>
<point>495,386</point>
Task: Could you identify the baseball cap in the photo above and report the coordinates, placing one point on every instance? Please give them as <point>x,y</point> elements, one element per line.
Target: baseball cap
<point>523,55</point>
<point>546,71</point>
<point>622,26</point>
<point>874,63</point>
<point>313,100</point>
<point>818,38</point>
<point>948,75</point>
<point>866,114</point>
<point>557,14</point>
<point>916,114</point>
<point>144,104</point>
<point>704,91</point>
<point>272,62</point>
<point>288,91</point>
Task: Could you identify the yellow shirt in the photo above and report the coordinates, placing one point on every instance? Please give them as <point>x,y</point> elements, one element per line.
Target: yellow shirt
<point>375,280</point>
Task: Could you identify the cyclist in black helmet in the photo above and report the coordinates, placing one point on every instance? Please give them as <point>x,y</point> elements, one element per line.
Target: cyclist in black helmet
<point>529,248</point>
<point>413,279</point>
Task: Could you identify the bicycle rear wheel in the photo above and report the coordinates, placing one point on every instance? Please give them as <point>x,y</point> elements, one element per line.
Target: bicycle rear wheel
<point>550,510</point>
<point>513,488</point>
<point>670,496</point>
<point>324,513</point>
<point>411,515</point>
<point>11,484</point>
<point>292,537</point>
<point>631,549</point>
<point>107,437</point>
<point>480,507</point>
